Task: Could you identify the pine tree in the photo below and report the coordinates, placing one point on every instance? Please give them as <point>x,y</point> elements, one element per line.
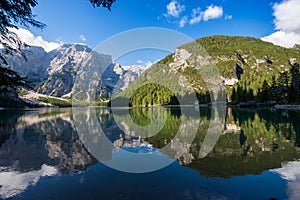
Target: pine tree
<point>264,95</point>
<point>294,90</point>
<point>233,96</point>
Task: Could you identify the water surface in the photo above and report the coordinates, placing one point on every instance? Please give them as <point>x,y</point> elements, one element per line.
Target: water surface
<point>78,154</point>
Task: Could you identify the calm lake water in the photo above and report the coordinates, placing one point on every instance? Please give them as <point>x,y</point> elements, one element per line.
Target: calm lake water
<point>150,153</point>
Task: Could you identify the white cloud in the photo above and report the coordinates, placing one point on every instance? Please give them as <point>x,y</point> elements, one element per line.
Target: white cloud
<point>212,12</point>
<point>27,37</point>
<point>82,37</point>
<point>174,9</point>
<point>287,24</point>
<point>287,15</point>
<point>140,61</point>
<point>196,15</point>
<point>283,38</point>
<point>228,17</point>
<point>14,183</point>
<point>145,64</point>
<point>183,21</point>
<point>291,173</point>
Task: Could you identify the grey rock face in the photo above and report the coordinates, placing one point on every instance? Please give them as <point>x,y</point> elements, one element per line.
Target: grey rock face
<point>118,77</point>
<point>59,72</point>
<point>34,66</point>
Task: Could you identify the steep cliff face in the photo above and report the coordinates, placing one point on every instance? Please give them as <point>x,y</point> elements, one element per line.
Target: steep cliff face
<point>69,62</point>
<point>57,72</point>
<point>33,66</point>
<point>118,77</point>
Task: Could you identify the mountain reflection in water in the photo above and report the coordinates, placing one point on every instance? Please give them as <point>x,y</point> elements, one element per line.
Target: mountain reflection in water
<point>45,143</point>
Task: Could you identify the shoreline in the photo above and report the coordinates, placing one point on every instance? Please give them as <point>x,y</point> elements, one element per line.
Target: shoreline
<point>276,106</point>
<point>288,106</point>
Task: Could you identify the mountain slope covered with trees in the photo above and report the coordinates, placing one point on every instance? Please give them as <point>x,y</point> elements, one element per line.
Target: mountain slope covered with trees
<point>250,70</point>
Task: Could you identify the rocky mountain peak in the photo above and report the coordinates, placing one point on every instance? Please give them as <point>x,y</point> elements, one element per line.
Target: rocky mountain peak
<point>54,73</point>
<point>67,48</point>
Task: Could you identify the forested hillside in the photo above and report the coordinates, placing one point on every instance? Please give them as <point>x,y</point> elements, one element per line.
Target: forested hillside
<point>249,69</point>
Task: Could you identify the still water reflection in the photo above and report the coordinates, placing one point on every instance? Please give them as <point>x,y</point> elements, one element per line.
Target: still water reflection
<point>44,154</point>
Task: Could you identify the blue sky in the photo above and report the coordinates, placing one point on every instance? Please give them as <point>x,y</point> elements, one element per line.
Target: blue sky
<point>76,21</point>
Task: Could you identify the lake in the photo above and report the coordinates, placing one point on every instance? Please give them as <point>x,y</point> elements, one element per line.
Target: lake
<point>187,152</point>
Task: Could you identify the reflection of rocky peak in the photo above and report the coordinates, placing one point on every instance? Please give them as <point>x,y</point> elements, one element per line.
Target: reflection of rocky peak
<point>24,151</point>
<point>43,146</point>
<point>262,141</point>
<point>134,135</point>
<point>64,147</point>
<point>130,141</point>
<point>232,128</point>
<point>8,121</point>
<point>27,149</point>
<point>182,152</point>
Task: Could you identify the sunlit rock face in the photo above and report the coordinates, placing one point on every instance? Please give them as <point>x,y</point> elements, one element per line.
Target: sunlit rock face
<point>57,72</point>
<point>118,77</point>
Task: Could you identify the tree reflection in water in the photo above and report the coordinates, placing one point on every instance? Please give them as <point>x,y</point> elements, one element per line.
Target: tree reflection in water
<point>40,143</point>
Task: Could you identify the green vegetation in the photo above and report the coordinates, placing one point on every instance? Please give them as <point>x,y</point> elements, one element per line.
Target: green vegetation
<point>56,102</point>
<point>162,123</point>
<point>153,94</point>
<point>102,103</point>
<point>10,78</point>
<point>266,140</point>
<point>269,73</point>
<point>140,116</point>
<point>14,101</point>
<point>10,81</point>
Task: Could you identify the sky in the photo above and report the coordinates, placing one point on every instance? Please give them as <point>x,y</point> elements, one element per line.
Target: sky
<point>76,21</point>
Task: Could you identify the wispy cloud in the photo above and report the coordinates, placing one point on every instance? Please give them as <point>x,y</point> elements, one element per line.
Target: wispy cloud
<point>228,17</point>
<point>183,21</point>
<point>196,16</point>
<point>27,37</point>
<point>287,24</point>
<point>82,37</point>
<point>174,9</point>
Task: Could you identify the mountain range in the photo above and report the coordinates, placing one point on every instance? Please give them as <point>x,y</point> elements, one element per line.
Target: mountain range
<point>54,73</point>
<point>246,68</point>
